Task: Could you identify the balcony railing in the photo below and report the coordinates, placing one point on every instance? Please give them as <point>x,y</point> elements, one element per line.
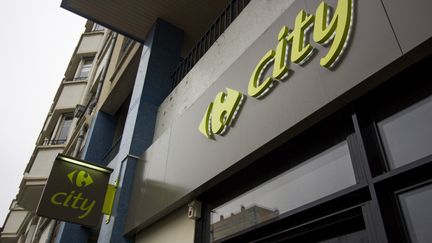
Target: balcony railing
<point>224,20</point>
<point>79,78</point>
<point>54,142</point>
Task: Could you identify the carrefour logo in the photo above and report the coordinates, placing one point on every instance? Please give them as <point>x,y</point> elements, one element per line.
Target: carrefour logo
<point>82,179</point>
<point>75,192</point>
<point>74,199</point>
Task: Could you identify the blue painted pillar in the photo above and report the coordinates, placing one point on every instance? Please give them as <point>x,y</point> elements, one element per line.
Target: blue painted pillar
<point>159,57</point>
<point>98,143</point>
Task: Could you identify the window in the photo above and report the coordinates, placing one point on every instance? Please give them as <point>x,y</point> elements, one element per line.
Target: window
<point>98,27</point>
<point>417,212</point>
<point>63,129</point>
<point>84,69</point>
<point>319,176</point>
<point>407,135</point>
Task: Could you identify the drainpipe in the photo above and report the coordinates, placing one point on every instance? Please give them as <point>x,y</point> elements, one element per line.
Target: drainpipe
<point>51,231</point>
<point>80,140</point>
<point>42,224</point>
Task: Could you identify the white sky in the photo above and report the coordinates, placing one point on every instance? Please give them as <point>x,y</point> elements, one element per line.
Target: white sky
<point>36,42</point>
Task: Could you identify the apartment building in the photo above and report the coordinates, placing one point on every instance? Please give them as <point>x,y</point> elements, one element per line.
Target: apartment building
<point>65,129</point>
<point>254,121</point>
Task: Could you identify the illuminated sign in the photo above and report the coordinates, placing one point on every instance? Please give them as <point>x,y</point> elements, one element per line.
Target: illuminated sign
<point>329,29</point>
<point>220,113</point>
<point>75,191</point>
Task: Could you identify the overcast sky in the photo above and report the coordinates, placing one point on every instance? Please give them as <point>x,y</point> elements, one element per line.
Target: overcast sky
<point>36,42</point>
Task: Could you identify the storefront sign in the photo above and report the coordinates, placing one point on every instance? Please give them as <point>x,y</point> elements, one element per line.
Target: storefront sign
<point>327,29</point>
<point>75,191</point>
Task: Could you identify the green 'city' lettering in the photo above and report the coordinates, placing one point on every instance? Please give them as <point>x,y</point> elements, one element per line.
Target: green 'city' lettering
<point>336,30</point>
<point>78,202</point>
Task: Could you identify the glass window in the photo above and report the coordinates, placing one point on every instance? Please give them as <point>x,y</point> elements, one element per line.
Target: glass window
<point>354,237</point>
<point>98,27</point>
<point>63,130</point>
<point>85,68</point>
<point>407,135</point>
<point>322,175</point>
<point>416,208</point>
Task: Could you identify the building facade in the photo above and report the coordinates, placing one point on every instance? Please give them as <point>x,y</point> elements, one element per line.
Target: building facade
<point>253,121</point>
<point>98,54</point>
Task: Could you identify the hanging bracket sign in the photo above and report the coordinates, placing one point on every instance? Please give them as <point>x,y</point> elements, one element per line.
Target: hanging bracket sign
<point>75,191</point>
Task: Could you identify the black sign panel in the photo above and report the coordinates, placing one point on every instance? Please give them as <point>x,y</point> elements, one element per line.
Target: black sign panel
<point>75,191</point>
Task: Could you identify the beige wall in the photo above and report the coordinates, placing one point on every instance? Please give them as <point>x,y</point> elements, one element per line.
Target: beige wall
<point>70,95</point>
<point>90,43</point>
<point>176,227</point>
<point>43,162</point>
<point>14,221</point>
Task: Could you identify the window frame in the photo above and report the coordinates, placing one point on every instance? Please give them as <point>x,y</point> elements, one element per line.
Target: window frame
<point>56,133</point>
<point>82,65</point>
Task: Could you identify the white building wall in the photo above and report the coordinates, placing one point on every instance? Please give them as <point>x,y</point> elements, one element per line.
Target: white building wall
<point>252,22</point>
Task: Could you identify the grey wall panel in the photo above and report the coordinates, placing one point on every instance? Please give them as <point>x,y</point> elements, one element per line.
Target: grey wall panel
<point>149,188</point>
<point>194,162</point>
<point>371,47</point>
<point>411,20</point>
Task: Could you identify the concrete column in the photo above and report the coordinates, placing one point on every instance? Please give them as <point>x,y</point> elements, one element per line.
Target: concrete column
<point>160,55</point>
<point>98,143</point>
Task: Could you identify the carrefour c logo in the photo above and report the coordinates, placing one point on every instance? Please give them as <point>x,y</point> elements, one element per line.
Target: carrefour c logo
<point>82,178</point>
<point>220,113</point>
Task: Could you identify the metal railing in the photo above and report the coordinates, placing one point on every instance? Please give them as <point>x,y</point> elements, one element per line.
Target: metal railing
<point>79,78</point>
<point>224,20</point>
<point>54,142</point>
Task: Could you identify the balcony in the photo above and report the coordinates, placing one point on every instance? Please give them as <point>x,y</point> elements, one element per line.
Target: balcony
<point>69,95</point>
<point>37,173</point>
<point>88,46</point>
<point>89,43</point>
<point>15,223</point>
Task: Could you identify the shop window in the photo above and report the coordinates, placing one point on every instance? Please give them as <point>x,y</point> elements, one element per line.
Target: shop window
<point>326,173</point>
<point>417,212</point>
<point>84,69</point>
<point>407,135</point>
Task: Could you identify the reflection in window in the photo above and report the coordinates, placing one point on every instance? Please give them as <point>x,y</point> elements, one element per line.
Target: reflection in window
<point>416,207</point>
<point>322,175</point>
<point>355,237</point>
<point>407,135</point>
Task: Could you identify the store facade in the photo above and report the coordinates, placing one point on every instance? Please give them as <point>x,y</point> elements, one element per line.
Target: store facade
<point>305,121</point>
